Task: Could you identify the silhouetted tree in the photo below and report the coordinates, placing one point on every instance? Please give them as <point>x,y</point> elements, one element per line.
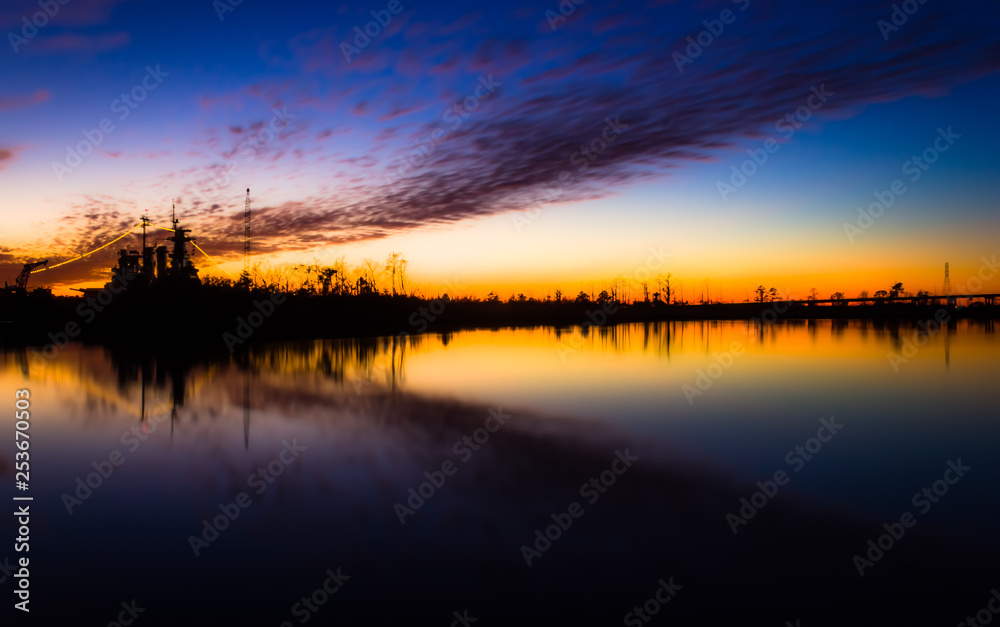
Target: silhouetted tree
<point>364,287</point>
<point>896,290</point>
<point>395,267</point>
<point>307,287</point>
<point>341,269</point>
<point>401,269</point>
<point>326,275</point>
<point>582,298</point>
<point>663,286</point>
<point>619,289</point>
<point>370,269</point>
<point>244,280</point>
<point>218,281</point>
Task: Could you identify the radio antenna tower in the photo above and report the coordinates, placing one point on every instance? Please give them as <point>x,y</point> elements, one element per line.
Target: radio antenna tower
<point>246,236</point>
<point>947,281</point>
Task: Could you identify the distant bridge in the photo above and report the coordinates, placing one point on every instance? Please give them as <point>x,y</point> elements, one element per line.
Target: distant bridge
<point>951,300</point>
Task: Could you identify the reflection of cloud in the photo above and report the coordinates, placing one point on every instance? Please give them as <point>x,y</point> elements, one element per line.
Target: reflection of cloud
<point>661,518</point>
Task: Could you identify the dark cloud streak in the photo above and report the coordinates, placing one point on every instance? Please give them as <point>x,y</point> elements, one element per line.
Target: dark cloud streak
<point>750,77</point>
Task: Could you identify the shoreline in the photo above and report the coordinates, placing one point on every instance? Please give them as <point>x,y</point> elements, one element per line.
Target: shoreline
<point>212,320</point>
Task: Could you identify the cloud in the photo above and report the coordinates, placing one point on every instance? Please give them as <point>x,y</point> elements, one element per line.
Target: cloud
<point>7,156</point>
<point>81,43</point>
<point>92,222</point>
<point>9,103</point>
<point>754,74</point>
<point>70,14</point>
<point>395,113</point>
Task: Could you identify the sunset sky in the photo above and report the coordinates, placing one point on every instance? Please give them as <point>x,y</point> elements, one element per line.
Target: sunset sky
<point>196,101</point>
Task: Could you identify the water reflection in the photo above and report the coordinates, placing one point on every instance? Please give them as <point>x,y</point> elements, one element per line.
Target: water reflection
<point>377,414</point>
<point>524,357</point>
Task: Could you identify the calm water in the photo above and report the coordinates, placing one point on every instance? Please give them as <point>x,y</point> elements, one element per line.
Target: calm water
<point>324,438</point>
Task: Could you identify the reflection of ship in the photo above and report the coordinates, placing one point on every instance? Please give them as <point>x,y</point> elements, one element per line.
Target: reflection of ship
<point>154,265</point>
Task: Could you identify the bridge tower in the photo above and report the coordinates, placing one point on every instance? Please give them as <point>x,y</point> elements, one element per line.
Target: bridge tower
<point>947,281</point>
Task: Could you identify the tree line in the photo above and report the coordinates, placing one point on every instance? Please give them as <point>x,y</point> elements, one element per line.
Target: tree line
<point>391,278</point>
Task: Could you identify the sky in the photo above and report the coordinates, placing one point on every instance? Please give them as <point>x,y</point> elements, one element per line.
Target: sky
<point>513,147</point>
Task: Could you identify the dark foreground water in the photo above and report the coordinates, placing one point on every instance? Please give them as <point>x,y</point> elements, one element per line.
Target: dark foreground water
<point>557,479</point>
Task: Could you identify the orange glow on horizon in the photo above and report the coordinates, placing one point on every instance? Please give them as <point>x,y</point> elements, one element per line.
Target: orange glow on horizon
<point>734,289</point>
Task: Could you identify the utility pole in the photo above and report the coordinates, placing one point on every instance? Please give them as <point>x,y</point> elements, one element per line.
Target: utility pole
<point>145,221</point>
<point>246,236</point>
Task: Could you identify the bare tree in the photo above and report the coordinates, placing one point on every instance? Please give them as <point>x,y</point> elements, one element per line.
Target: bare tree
<point>370,270</point>
<point>341,270</point>
<point>401,270</point>
<point>663,286</point>
<point>395,267</point>
<point>391,263</point>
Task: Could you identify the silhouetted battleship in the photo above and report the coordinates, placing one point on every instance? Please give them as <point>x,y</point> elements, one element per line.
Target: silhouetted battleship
<point>153,266</point>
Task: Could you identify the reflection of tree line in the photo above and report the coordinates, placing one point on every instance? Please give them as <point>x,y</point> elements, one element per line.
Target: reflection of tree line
<point>359,361</point>
<point>659,337</point>
<point>381,361</point>
<point>654,337</point>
